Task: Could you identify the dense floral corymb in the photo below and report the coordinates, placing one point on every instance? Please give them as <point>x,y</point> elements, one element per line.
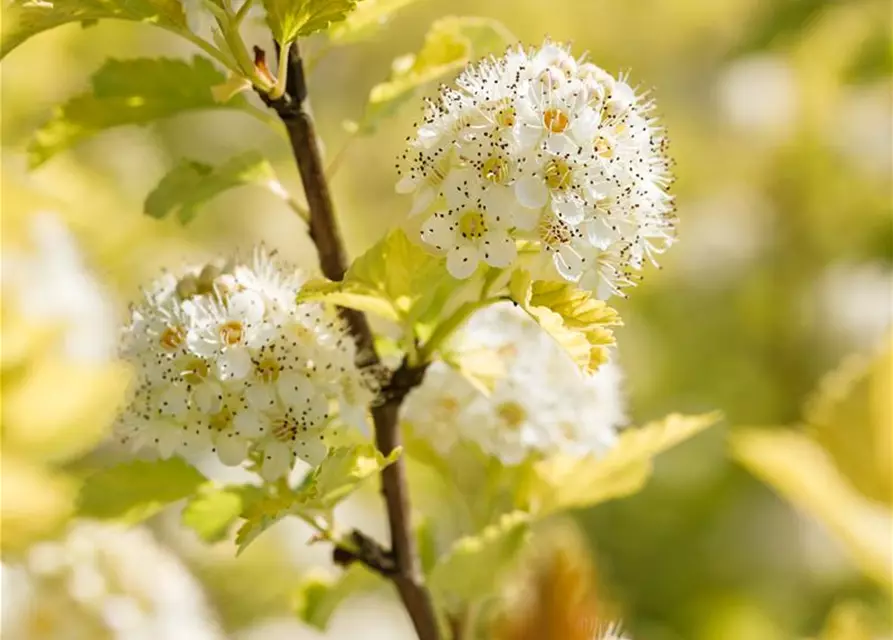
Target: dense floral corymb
<point>227,361</point>
<point>540,148</point>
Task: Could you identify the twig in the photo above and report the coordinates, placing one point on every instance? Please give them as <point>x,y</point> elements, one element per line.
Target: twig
<point>406,575</point>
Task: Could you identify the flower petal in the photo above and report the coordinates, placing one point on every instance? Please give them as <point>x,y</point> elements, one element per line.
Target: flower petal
<point>246,306</point>
<point>440,231</point>
<point>277,460</point>
<point>531,192</point>
<point>462,261</point>
<point>422,199</point>
<point>499,249</point>
<point>234,363</point>
<point>231,449</point>
<point>407,184</point>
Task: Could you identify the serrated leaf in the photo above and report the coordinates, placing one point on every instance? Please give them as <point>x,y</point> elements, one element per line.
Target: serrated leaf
<point>395,279</point>
<point>450,44</point>
<point>365,20</point>
<point>851,417</point>
<point>471,569</point>
<point>339,475</point>
<point>134,491</point>
<point>577,321</point>
<point>190,184</point>
<point>212,511</point>
<point>804,473</point>
<point>129,92</point>
<point>22,20</point>
<point>565,482</point>
<point>317,598</point>
<point>289,19</point>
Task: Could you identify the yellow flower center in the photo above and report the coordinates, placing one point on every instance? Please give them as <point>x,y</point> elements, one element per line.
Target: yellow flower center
<point>604,147</point>
<point>446,408</point>
<point>512,414</point>
<point>555,120</point>
<point>172,337</point>
<point>194,370</point>
<point>221,420</point>
<point>231,332</point>
<point>553,232</point>
<point>495,170</point>
<point>506,116</point>
<point>472,225</point>
<point>285,430</point>
<point>268,369</point>
<point>558,174</point>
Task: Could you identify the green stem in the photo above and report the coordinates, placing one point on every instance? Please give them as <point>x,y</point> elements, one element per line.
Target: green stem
<point>242,12</point>
<point>449,326</point>
<point>210,49</point>
<point>281,74</point>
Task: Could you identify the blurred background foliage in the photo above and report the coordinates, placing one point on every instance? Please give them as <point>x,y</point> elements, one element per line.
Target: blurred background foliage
<point>780,119</point>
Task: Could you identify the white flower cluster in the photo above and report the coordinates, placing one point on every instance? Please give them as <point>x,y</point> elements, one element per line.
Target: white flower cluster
<point>227,361</point>
<point>532,400</point>
<point>538,146</point>
<point>103,582</point>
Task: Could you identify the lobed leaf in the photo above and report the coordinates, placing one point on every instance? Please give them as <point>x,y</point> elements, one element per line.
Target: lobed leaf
<point>129,92</point>
<point>289,19</point>
<point>339,475</point>
<point>190,184</point>
<point>365,20</point>
<point>24,19</point>
<point>317,598</point>
<point>577,321</point>
<point>473,566</point>
<point>450,44</point>
<point>565,482</point>
<point>395,279</point>
<point>213,510</point>
<point>134,491</point>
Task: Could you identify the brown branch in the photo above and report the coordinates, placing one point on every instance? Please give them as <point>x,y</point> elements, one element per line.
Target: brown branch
<point>406,574</point>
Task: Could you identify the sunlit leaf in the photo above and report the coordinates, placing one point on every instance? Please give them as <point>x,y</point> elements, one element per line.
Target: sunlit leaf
<point>851,620</point>
<point>395,279</point>
<point>805,474</point>
<point>213,510</point>
<point>566,482</point>
<point>289,19</point>
<point>851,417</point>
<point>339,475</point>
<point>136,490</point>
<point>317,598</point>
<point>190,184</point>
<point>129,92</point>
<point>472,567</point>
<point>24,19</point>
<point>577,321</point>
<point>449,45</point>
<point>365,20</point>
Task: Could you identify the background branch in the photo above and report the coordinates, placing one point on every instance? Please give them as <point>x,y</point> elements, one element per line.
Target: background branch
<point>292,109</point>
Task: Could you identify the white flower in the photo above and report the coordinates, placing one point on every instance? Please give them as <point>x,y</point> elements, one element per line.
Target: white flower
<point>537,136</point>
<point>536,402</point>
<point>227,361</point>
<point>102,581</point>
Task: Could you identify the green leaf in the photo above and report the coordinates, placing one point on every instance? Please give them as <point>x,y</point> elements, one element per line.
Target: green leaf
<point>450,44</point>
<point>129,92</point>
<point>134,491</point>
<point>317,598</point>
<point>212,511</point>
<point>566,482</point>
<point>365,20</point>
<point>804,473</point>
<point>395,279</point>
<point>576,320</point>
<point>289,19</point>
<point>22,20</point>
<point>190,184</point>
<point>471,569</point>
<point>339,475</point>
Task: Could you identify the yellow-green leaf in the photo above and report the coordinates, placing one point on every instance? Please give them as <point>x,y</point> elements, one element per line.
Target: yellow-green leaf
<point>23,19</point>
<point>472,567</point>
<point>339,475</point>
<point>318,596</point>
<point>365,20</point>
<point>566,482</point>
<point>289,19</point>
<point>129,92</point>
<point>851,417</point>
<point>213,510</point>
<point>577,321</point>
<point>136,490</point>
<point>190,184</point>
<point>449,45</point>
<point>395,279</point>
<point>804,473</point>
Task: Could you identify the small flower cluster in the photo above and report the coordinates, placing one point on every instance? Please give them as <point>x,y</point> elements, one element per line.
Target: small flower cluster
<point>227,361</point>
<point>541,147</point>
<point>528,399</point>
<point>102,581</point>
